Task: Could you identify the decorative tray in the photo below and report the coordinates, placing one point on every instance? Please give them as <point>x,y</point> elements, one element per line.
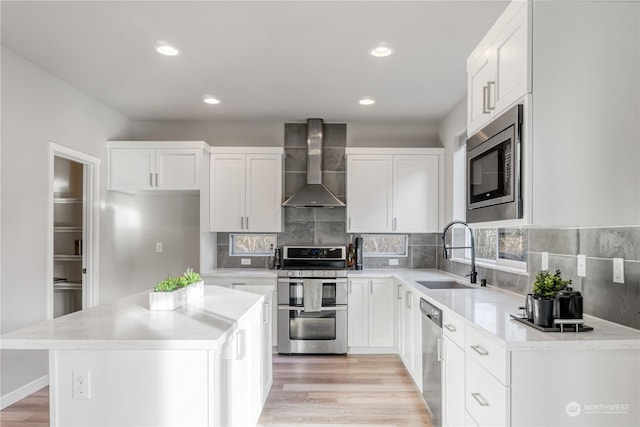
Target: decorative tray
<point>567,327</point>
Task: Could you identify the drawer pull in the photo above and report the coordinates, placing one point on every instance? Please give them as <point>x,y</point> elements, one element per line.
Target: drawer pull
<point>238,284</point>
<point>450,328</point>
<point>481,351</point>
<point>481,400</point>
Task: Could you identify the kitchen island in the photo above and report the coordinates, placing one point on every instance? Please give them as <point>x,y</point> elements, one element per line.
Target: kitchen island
<point>122,364</point>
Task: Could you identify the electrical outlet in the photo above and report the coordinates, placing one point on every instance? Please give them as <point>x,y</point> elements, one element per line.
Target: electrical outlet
<point>618,270</point>
<point>545,261</point>
<point>81,385</point>
<point>393,261</point>
<point>582,265</point>
<point>158,247</point>
<point>245,261</point>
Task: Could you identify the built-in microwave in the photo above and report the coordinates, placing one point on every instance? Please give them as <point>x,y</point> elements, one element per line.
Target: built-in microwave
<point>494,190</point>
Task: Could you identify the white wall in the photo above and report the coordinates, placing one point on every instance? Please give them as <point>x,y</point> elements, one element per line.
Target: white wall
<point>37,108</point>
<point>271,134</point>
<point>449,130</point>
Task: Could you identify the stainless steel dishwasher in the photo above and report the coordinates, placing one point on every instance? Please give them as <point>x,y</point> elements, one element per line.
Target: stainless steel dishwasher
<point>432,360</point>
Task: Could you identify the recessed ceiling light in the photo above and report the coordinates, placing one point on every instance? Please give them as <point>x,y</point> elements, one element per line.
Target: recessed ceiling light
<point>367,101</point>
<point>166,49</point>
<point>211,100</point>
<point>381,51</point>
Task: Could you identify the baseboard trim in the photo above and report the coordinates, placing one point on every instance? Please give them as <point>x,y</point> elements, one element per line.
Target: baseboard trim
<point>372,350</point>
<point>24,391</point>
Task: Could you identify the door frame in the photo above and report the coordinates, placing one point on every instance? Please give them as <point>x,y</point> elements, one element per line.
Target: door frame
<point>90,224</point>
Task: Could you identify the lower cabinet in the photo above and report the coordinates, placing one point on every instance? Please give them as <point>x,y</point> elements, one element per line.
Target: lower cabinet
<point>453,383</point>
<point>410,332</point>
<point>370,315</point>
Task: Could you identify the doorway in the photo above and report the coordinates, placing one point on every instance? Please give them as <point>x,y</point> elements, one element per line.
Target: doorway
<point>73,230</point>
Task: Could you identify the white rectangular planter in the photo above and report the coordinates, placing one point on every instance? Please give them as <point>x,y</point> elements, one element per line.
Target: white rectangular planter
<point>177,298</point>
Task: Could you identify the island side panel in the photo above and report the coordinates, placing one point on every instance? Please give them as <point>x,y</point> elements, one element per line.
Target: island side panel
<point>131,387</point>
<point>576,387</point>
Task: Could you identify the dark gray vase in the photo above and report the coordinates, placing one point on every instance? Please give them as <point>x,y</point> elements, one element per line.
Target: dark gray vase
<point>543,311</point>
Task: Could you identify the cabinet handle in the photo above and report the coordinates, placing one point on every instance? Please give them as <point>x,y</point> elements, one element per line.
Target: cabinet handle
<point>349,286</point>
<point>371,287</point>
<point>399,294</point>
<point>246,221</point>
<point>485,100</point>
<point>157,181</point>
<point>266,312</point>
<point>394,224</point>
<point>241,223</point>
<point>240,345</point>
<point>408,295</point>
<point>150,179</point>
<point>439,350</point>
<point>349,223</point>
<point>481,400</point>
<point>489,106</point>
<point>238,284</point>
<point>450,328</point>
<point>481,351</point>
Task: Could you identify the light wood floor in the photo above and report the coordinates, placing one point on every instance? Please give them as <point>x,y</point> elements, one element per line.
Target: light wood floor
<point>371,390</point>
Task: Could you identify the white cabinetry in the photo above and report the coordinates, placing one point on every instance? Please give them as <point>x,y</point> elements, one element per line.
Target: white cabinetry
<point>453,370</point>
<point>410,332</point>
<point>498,69</point>
<point>371,315</point>
<point>245,189</point>
<point>389,192</point>
<point>154,165</point>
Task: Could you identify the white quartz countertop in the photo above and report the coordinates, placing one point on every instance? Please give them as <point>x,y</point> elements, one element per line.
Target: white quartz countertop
<point>129,324</point>
<point>489,308</point>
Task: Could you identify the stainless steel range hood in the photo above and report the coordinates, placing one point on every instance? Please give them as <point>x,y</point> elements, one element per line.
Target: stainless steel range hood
<point>314,194</point>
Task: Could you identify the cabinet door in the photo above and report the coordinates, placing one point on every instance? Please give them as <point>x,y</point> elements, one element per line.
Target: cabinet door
<point>512,62</point>
<point>357,312</point>
<point>416,340</point>
<point>453,384</point>
<point>227,195</point>
<point>407,331</point>
<point>415,194</point>
<point>178,168</point>
<point>479,76</point>
<point>369,193</point>
<point>263,192</point>
<point>399,304</point>
<point>381,313</point>
<point>132,168</point>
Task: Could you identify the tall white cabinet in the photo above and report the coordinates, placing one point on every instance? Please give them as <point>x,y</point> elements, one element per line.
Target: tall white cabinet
<point>394,190</point>
<point>245,189</point>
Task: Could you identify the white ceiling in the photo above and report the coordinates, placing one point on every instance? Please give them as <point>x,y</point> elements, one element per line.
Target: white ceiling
<point>264,60</point>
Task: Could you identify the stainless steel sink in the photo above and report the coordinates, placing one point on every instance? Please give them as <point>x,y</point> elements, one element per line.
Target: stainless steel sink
<point>442,284</point>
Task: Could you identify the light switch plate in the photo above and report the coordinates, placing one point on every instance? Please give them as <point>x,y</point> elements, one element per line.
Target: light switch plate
<point>582,265</point>
<point>393,261</point>
<point>618,270</point>
<point>245,261</point>
<point>545,261</point>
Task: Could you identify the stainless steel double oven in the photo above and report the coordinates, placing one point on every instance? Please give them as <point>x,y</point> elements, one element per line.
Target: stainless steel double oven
<point>312,301</point>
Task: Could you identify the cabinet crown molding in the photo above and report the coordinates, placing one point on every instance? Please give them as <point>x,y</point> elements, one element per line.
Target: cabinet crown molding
<point>392,150</point>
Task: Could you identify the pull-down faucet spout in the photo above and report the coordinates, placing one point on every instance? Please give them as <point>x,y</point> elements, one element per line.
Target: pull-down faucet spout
<point>474,274</point>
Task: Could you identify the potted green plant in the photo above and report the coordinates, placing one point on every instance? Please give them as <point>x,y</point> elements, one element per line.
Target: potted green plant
<point>173,292</point>
<point>544,290</point>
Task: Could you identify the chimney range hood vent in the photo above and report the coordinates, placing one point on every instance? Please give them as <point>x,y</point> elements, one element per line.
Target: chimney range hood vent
<point>314,194</point>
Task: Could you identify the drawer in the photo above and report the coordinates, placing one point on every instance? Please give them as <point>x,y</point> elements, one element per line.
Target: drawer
<point>238,282</point>
<point>488,351</point>
<point>453,327</point>
<point>486,399</point>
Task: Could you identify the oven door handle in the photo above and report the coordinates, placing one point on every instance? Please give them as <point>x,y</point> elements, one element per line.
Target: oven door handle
<point>294,308</point>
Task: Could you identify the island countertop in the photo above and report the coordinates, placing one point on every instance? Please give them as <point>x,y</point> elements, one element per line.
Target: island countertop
<point>129,324</point>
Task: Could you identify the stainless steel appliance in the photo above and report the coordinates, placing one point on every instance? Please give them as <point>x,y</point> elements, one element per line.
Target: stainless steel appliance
<point>312,300</point>
<point>494,188</point>
<point>432,360</point>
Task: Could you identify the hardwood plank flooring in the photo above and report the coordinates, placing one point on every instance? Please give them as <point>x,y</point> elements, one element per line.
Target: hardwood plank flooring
<point>357,390</point>
<point>354,390</point>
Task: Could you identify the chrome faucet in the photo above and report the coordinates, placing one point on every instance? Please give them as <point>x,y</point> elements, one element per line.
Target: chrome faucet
<point>474,274</point>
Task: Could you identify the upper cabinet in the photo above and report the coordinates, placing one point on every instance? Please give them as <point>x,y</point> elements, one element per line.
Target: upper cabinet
<point>394,193</point>
<point>498,69</point>
<point>245,189</point>
<point>153,166</point>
